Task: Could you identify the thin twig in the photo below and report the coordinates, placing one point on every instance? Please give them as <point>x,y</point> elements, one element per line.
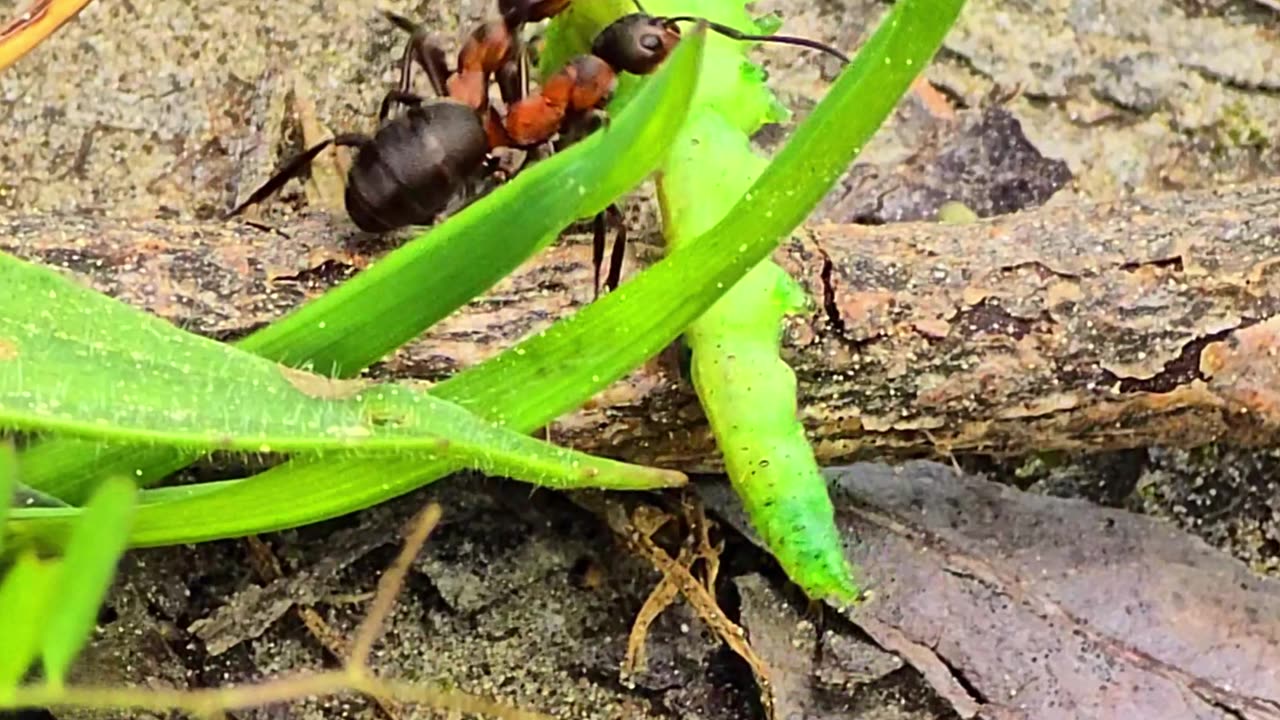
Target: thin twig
<point>389,588</point>
<point>198,702</point>
<point>449,700</point>
<point>660,598</point>
<point>638,534</point>
<point>267,566</point>
<point>211,702</point>
<point>701,528</point>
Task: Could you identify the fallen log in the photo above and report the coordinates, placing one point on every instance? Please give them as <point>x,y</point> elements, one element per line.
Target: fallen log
<point>1151,320</point>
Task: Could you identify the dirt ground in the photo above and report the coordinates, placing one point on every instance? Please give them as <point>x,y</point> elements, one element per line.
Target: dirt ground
<point>176,108</point>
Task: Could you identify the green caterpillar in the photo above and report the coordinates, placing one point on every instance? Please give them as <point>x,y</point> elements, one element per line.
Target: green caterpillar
<point>746,390</point>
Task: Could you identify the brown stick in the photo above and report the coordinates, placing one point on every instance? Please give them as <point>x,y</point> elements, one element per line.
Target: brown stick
<point>1149,321</point>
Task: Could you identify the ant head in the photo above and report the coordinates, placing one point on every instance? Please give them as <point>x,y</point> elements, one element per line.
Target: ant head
<point>636,43</point>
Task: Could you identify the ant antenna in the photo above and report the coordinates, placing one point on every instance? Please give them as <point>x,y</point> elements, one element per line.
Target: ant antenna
<point>780,39</point>
<point>402,22</point>
<point>639,6</point>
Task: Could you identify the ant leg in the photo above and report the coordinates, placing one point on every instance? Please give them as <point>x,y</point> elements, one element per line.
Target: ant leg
<point>599,227</point>
<point>543,9</point>
<point>295,166</point>
<point>619,247</point>
<point>512,81</point>
<point>430,56</point>
<point>406,60</point>
<point>397,96</point>
<point>433,61</point>
<point>351,140</point>
<point>513,76</point>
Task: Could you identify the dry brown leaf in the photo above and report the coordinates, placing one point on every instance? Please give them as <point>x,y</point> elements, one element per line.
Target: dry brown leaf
<point>1026,606</point>
<point>809,682</point>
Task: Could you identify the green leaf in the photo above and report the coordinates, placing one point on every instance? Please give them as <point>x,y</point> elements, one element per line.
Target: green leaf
<point>94,367</point>
<point>416,285</point>
<point>87,569</point>
<point>288,495</point>
<point>24,593</point>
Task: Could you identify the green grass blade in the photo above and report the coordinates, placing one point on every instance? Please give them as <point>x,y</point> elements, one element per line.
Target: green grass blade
<point>87,570</point>
<point>94,367</point>
<point>8,481</point>
<point>363,319</point>
<point>288,495</point>
<point>61,467</point>
<point>555,371</point>
<point>25,592</point>
<point>747,391</point>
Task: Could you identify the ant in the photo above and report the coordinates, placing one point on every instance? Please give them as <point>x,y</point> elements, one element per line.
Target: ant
<point>408,172</point>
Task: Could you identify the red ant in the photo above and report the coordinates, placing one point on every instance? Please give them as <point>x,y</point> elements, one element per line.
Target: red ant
<point>409,170</point>
<point>415,163</point>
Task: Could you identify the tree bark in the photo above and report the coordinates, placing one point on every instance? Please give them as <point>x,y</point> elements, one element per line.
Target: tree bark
<point>1146,321</point>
